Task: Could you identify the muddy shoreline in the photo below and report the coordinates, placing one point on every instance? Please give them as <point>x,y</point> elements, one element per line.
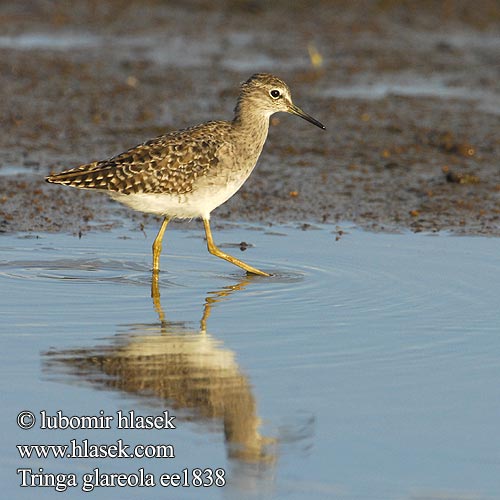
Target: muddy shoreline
<point>409,96</point>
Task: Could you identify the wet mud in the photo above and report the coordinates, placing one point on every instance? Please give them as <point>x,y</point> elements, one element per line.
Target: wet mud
<point>408,91</point>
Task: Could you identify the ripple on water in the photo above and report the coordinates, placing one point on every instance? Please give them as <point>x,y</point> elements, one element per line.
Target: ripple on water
<point>82,270</point>
<point>387,298</point>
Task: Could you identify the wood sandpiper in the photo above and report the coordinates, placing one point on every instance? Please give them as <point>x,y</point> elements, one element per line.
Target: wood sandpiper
<point>190,172</point>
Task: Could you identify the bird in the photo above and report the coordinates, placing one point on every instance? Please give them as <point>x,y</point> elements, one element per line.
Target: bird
<point>187,173</point>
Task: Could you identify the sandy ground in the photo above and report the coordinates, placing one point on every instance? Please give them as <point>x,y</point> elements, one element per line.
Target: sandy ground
<point>408,91</point>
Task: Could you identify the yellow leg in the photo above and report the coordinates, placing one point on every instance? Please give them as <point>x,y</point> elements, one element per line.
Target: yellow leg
<point>157,245</point>
<point>219,253</point>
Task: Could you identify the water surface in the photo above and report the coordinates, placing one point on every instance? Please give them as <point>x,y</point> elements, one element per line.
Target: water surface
<point>364,368</point>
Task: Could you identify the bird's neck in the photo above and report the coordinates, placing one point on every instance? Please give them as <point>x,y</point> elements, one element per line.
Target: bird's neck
<point>250,126</point>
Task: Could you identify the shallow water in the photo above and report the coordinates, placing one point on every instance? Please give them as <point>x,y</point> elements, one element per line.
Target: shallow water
<point>364,368</point>
<point>414,85</point>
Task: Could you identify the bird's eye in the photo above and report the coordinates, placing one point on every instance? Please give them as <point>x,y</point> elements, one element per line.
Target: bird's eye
<point>275,94</point>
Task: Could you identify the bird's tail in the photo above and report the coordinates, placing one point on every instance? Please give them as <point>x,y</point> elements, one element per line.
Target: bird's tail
<point>84,177</point>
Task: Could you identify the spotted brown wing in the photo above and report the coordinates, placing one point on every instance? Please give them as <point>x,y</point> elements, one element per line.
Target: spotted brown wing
<point>170,163</point>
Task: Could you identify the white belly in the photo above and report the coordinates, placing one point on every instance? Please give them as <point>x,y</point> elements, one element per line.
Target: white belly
<point>198,203</point>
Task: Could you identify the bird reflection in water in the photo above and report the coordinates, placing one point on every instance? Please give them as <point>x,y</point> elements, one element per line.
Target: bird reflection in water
<point>187,369</point>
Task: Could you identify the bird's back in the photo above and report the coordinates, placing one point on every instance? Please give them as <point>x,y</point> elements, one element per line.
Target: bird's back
<point>168,164</point>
